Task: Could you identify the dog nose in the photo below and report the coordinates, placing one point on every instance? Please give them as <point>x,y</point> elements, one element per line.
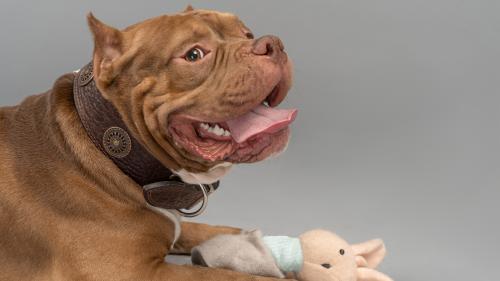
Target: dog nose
<point>268,46</point>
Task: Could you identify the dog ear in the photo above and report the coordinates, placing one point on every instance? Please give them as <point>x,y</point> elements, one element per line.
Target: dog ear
<point>108,46</point>
<point>189,8</point>
<point>370,253</point>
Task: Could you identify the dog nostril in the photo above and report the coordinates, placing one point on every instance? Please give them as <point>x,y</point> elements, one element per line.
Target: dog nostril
<point>267,46</point>
<point>269,49</point>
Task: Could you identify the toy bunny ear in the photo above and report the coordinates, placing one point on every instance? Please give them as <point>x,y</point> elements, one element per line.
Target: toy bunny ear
<point>370,253</point>
<point>368,274</point>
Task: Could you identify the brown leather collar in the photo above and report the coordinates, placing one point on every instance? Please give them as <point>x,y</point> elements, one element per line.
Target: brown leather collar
<point>106,129</point>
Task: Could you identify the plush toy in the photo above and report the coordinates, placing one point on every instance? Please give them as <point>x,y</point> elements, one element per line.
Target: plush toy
<point>317,255</point>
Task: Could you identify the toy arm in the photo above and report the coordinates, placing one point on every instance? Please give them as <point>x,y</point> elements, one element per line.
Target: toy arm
<point>368,274</point>
<point>245,252</point>
<point>194,234</point>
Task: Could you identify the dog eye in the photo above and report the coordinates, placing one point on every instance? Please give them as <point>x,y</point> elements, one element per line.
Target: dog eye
<point>249,35</point>
<point>342,252</point>
<point>194,54</point>
<point>326,265</point>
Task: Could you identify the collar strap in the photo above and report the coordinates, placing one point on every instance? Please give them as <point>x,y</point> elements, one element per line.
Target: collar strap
<point>104,126</point>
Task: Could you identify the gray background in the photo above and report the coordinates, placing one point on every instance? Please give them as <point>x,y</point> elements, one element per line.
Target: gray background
<point>397,135</point>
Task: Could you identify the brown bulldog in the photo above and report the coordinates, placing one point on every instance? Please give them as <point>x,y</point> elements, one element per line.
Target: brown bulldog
<point>195,91</point>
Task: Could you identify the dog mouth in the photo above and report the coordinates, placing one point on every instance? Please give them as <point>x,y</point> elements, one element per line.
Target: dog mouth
<point>250,137</point>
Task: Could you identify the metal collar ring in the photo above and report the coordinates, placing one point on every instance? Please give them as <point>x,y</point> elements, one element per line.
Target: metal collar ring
<point>203,203</point>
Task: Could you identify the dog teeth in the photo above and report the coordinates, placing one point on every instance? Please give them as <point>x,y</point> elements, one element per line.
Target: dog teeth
<point>215,129</point>
<point>204,126</point>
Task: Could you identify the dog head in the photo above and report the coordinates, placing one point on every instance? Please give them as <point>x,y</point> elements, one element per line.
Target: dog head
<point>195,88</point>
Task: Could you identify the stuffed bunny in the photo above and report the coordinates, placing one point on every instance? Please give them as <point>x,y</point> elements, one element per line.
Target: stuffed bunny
<point>316,255</point>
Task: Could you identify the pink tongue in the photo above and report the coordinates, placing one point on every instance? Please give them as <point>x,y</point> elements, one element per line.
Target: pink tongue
<point>259,120</point>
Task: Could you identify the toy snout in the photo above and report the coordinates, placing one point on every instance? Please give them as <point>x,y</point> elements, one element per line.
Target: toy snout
<point>327,257</point>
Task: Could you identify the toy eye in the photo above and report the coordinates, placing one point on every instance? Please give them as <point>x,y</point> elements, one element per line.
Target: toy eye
<point>326,265</point>
<point>194,54</point>
<point>342,252</point>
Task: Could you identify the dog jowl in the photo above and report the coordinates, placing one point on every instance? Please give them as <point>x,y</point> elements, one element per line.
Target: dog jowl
<point>194,90</point>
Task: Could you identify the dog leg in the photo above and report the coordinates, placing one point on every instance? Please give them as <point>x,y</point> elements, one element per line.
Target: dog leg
<point>167,272</point>
<point>193,234</point>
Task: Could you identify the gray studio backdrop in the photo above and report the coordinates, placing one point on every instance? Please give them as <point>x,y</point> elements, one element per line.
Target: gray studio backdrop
<point>398,131</point>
